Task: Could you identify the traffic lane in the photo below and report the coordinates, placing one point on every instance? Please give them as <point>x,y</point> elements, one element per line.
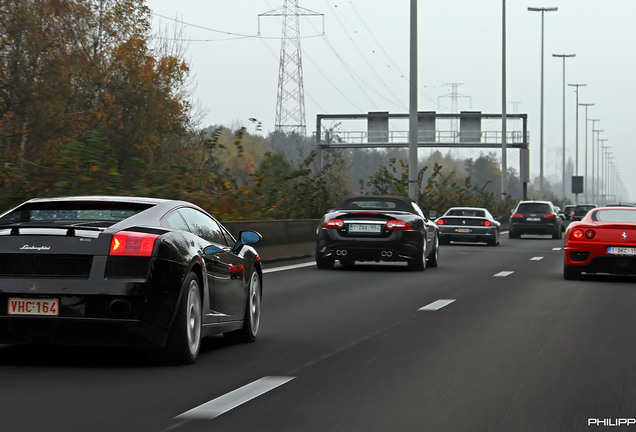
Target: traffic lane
<point>299,341</point>
<point>116,389</point>
<point>475,365</point>
<point>469,284</point>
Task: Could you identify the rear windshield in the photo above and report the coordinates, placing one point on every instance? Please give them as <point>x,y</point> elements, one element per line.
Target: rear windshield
<point>467,212</point>
<point>534,208</point>
<point>614,215</point>
<point>72,212</point>
<point>374,204</point>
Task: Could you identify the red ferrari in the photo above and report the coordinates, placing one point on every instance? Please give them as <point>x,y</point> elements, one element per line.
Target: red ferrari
<point>603,242</point>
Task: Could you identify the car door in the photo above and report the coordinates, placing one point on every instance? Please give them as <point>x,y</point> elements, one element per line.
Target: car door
<point>225,268</point>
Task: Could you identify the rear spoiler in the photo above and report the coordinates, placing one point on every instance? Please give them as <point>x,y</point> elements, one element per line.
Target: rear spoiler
<point>70,230</point>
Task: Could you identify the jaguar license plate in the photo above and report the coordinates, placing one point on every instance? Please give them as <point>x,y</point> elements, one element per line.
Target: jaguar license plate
<point>365,228</point>
<point>31,306</point>
<point>625,251</point>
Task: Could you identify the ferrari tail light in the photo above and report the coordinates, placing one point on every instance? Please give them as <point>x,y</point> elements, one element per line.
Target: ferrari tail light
<point>486,223</point>
<point>128,243</point>
<point>441,222</point>
<point>398,225</point>
<point>517,216</point>
<point>333,223</point>
<point>550,216</point>
<point>579,234</point>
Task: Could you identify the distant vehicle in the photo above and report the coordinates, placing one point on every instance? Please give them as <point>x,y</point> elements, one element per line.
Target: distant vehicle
<point>535,217</point>
<point>568,210</point>
<point>377,228</point>
<point>468,224</point>
<point>581,210</point>
<point>604,242</point>
<point>149,273</point>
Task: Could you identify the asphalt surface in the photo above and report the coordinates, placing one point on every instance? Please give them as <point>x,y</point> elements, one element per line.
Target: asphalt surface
<point>492,340</point>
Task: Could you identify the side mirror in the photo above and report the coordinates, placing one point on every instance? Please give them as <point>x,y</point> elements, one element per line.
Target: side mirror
<point>246,238</point>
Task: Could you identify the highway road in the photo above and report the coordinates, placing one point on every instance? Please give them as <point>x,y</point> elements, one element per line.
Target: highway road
<point>492,340</point>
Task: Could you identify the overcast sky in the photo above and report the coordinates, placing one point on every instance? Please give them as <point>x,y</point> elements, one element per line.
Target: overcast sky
<point>361,64</point>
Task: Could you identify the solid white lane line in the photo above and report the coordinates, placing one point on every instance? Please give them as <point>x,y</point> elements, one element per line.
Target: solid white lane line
<point>436,305</point>
<point>503,274</point>
<point>231,400</point>
<point>536,258</point>
<point>288,267</point>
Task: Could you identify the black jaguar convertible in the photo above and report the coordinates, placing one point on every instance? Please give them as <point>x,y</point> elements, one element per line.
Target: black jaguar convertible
<point>377,228</point>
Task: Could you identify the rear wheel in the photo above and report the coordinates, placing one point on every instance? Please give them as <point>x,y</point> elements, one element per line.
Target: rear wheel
<point>557,234</point>
<point>432,259</point>
<point>571,273</point>
<point>419,263</point>
<point>324,263</point>
<point>513,234</point>
<point>184,340</point>
<point>252,320</point>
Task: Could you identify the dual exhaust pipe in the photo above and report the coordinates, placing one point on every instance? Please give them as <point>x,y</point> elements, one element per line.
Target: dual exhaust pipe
<point>384,253</point>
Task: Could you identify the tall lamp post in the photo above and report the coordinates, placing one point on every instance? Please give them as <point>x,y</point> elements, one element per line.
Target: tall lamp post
<point>592,156</point>
<point>600,143</point>
<point>576,156</point>
<point>563,56</point>
<point>413,138</point>
<point>542,10</point>
<point>586,105</point>
<point>504,126</point>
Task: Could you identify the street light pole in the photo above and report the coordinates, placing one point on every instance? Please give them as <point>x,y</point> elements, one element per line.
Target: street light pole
<point>586,105</point>
<point>599,170</point>
<point>413,126</point>
<point>563,56</point>
<point>592,156</point>
<point>542,10</point>
<point>576,158</point>
<point>504,128</point>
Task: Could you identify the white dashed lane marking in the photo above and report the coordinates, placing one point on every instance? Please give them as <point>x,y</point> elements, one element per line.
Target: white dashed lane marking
<point>231,400</point>
<point>536,258</point>
<point>436,305</point>
<point>503,274</point>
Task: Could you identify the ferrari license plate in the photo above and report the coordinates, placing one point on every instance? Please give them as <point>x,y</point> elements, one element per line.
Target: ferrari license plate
<point>625,251</point>
<point>462,230</point>
<point>31,306</point>
<point>365,228</point>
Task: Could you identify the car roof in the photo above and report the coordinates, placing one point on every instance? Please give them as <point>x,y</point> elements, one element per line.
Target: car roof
<point>101,198</point>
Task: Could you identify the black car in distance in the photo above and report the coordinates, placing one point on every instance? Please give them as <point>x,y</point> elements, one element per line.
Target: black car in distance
<point>535,217</point>
<point>377,228</point>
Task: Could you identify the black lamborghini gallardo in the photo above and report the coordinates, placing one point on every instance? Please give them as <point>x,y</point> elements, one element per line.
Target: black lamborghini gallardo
<point>143,272</point>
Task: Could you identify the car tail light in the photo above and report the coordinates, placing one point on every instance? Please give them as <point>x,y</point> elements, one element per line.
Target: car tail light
<point>517,216</point>
<point>549,216</point>
<point>333,223</point>
<point>128,243</point>
<point>440,222</point>
<point>590,234</point>
<point>398,225</point>
<point>486,223</point>
<point>577,234</point>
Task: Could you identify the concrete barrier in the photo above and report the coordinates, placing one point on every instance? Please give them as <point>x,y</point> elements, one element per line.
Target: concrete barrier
<point>282,239</point>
